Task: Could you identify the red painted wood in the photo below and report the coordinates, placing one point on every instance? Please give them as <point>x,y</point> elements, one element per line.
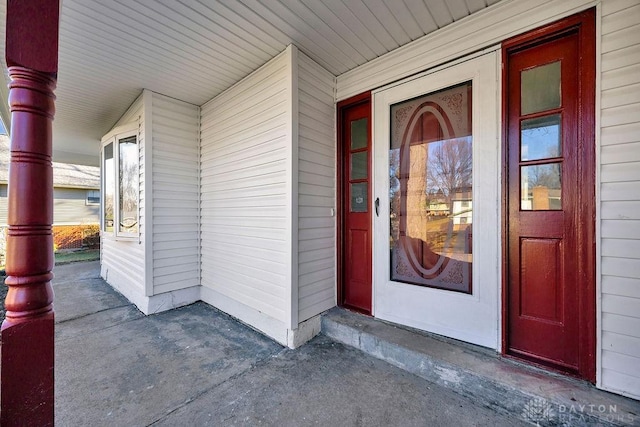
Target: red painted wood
<point>355,236</point>
<point>27,333</point>
<point>32,34</point>
<point>549,267</point>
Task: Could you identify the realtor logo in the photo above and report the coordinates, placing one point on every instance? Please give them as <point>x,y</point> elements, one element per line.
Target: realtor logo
<point>537,410</point>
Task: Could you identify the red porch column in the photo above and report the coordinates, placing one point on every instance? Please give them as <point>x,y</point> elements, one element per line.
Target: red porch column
<point>26,338</point>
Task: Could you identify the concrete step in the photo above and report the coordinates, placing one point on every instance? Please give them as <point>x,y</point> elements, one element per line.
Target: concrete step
<point>532,394</point>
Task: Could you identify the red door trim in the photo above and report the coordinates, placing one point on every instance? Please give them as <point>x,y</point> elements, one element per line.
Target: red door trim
<point>584,24</point>
<point>363,98</point>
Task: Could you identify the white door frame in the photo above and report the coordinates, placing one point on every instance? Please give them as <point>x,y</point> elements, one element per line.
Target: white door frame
<point>475,317</point>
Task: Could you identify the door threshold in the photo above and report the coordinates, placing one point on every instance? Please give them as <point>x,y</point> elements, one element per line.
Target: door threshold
<point>481,374</point>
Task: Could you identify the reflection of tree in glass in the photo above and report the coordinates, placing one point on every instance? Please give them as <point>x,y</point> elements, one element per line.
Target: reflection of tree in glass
<point>545,175</point>
<point>449,167</point>
<point>128,183</point>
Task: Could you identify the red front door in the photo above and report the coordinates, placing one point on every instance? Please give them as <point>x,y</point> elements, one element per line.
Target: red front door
<point>355,205</point>
<point>549,189</point>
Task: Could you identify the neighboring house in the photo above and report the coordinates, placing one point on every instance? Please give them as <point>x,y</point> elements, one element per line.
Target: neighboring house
<point>76,209</point>
<point>273,159</point>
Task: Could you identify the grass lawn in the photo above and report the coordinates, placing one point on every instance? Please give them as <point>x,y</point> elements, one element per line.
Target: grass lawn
<point>76,256</point>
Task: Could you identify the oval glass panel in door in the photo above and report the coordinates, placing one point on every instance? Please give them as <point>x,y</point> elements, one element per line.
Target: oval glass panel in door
<point>430,185</point>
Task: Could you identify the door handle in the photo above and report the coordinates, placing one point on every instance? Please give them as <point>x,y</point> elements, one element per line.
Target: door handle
<point>377,205</point>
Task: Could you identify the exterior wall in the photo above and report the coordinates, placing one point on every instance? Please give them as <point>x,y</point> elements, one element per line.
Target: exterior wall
<point>123,261</point>
<point>70,207</point>
<point>246,150</point>
<point>618,149</point>
<point>176,194</point>
<point>316,189</point>
<point>4,204</point>
<point>620,196</point>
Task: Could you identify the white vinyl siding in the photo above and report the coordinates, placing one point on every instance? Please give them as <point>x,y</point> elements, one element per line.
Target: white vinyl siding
<point>123,261</point>
<point>620,196</point>
<point>70,207</point>
<point>316,189</point>
<point>176,187</point>
<point>245,213</point>
<point>472,34</point>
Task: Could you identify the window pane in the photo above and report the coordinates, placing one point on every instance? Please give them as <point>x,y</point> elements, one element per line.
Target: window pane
<point>540,187</point>
<point>128,188</point>
<point>540,88</point>
<point>430,190</point>
<point>359,197</point>
<point>108,173</point>
<point>359,165</point>
<point>540,138</point>
<point>359,133</point>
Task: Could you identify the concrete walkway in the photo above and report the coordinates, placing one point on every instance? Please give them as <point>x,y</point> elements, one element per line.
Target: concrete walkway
<point>196,366</point>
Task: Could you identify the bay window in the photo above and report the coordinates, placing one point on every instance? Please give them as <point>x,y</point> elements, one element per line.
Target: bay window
<point>120,183</point>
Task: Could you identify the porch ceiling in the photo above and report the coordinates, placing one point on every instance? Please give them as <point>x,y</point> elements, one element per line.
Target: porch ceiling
<point>193,50</point>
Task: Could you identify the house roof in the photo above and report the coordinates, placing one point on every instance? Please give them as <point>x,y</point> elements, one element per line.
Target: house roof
<point>193,50</point>
<point>65,175</point>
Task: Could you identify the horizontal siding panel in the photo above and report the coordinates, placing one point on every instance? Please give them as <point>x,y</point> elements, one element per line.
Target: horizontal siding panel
<point>160,254</point>
<point>266,296</point>
<point>620,172</point>
<point>174,285</point>
<point>624,267</point>
<point>244,150</point>
<point>316,281</point>
<point>314,180</point>
<point>317,222</point>
<point>180,266</point>
<point>623,95</point>
<point>315,157</point>
<point>620,191</point>
<point>622,344</point>
<point>622,153</point>
<point>621,19</point>
<point>620,210</point>
<point>629,365</point>
<point>322,131</point>
<point>315,266</point>
<point>621,248</point>
<point>610,7</point>
<point>620,115</point>
<point>245,202</point>
<point>625,325</point>
<point>309,246</point>
<point>620,58</point>
<point>621,134</point>
<point>623,306</point>
<point>624,286</point>
<point>326,294</point>
<point>621,39</point>
<point>314,147</point>
<point>620,382</point>
<point>242,231</point>
<point>315,233</point>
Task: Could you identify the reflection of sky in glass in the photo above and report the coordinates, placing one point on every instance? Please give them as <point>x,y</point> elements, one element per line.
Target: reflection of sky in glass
<point>540,138</point>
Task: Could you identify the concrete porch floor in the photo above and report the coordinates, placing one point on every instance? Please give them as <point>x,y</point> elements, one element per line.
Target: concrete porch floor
<point>197,366</point>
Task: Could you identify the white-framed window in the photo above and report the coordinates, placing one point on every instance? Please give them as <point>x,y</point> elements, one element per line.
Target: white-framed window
<point>93,197</point>
<point>120,167</point>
